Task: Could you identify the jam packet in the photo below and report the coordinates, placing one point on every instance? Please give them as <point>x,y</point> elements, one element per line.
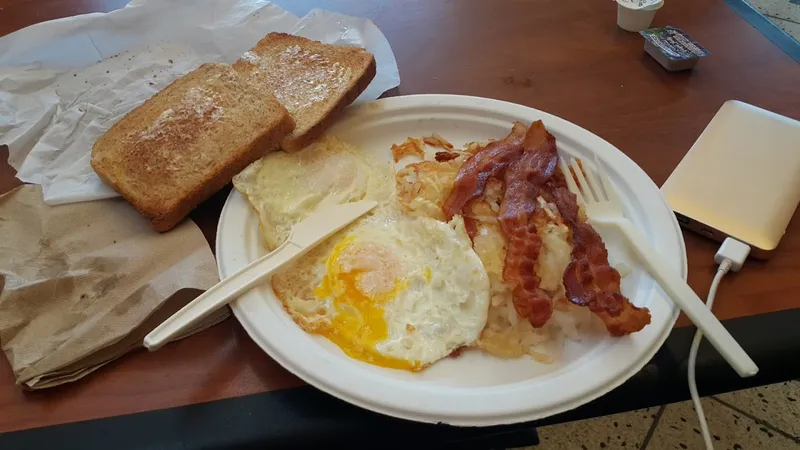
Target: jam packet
<point>673,48</point>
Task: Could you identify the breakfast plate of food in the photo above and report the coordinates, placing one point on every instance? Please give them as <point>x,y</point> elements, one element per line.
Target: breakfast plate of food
<point>476,293</point>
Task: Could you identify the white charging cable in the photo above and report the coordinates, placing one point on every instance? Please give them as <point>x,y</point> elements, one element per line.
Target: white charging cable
<point>730,256</point>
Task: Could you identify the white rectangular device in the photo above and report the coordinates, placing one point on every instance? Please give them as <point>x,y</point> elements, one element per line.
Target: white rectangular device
<point>740,179</point>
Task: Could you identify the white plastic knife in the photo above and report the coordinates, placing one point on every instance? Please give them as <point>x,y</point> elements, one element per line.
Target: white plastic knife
<point>305,235</point>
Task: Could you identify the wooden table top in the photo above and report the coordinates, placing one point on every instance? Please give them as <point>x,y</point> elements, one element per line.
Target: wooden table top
<point>565,57</point>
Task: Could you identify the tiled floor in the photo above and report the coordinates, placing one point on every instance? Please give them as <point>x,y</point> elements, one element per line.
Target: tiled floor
<point>783,13</point>
<point>762,418</point>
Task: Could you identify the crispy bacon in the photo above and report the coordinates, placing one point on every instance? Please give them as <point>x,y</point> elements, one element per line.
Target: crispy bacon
<point>525,160</point>
<point>489,162</point>
<point>446,156</point>
<point>589,280</point>
<point>520,217</point>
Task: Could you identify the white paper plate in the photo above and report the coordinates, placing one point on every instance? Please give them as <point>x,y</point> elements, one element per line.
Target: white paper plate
<point>475,389</point>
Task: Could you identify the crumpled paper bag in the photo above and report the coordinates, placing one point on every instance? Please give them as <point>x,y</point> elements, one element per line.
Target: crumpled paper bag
<point>82,284</point>
<point>63,83</point>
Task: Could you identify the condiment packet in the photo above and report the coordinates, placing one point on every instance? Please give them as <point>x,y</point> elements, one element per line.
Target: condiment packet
<point>674,43</point>
<point>672,48</point>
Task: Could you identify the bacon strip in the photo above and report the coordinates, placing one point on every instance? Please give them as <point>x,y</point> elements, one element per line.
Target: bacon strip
<point>526,159</point>
<point>589,280</point>
<point>491,161</point>
<point>520,217</point>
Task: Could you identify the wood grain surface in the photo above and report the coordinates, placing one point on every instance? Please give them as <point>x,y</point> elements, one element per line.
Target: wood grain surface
<point>565,57</point>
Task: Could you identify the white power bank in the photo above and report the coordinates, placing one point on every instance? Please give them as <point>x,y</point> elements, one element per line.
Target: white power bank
<point>740,179</point>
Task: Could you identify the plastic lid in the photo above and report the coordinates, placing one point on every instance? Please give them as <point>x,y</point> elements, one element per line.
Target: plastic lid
<point>641,4</point>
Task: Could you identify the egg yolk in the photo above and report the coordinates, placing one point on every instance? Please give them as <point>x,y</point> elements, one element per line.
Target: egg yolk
<point>360,281</point>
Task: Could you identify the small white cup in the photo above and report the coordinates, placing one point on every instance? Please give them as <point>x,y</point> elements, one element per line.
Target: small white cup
<point>636,20</point>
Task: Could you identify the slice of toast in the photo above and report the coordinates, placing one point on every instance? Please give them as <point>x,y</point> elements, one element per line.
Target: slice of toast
<point>314,81</point>
<point>186,142</point>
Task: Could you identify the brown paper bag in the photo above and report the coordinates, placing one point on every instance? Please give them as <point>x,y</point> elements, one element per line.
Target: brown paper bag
<point>82,284</point>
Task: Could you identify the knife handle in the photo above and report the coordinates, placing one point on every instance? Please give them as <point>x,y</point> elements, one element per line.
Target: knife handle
<point>221,293</point>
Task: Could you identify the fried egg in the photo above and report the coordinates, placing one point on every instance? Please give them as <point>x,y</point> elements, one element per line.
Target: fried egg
<point>392,290</point>
<point>285,188</point>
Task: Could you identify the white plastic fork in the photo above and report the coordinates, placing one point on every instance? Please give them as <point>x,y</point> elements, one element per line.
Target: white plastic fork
<point>604,207</point>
